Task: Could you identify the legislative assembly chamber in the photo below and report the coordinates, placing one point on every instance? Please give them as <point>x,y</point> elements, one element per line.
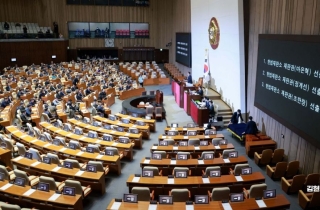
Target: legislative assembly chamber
<point>159,104</point>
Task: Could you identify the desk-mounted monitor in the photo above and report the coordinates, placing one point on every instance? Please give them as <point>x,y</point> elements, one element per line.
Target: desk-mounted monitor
<point>246,171</point>
<point>130,198</point>
<point>236,197</point>
<point>269,194</point>
<point>201,199</point>
<point>165,199</point>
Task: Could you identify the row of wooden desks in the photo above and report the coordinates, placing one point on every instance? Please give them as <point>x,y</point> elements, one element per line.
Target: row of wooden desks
<point>125,148</point>
<point>182,130</point>
<point>186,138</point>
<point>112,161</point>
<point>279,202</point>
<point>5,157</point>
<point>151,122</point>
<point>145,130</point>
<point>259,146</point>
<point>136,138</point>
<point>196,184</point>
<point>8,113</point>
<point>196,166</point>
<point>194,150</point>
<point>95,180</point>
<point>28,197</point>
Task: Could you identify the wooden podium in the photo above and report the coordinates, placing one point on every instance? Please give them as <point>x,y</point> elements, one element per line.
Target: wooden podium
<point>199,115</point>
<point>187,100</point>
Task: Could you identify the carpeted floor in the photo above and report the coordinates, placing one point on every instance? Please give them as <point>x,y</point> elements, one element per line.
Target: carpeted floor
<point>116,185</point>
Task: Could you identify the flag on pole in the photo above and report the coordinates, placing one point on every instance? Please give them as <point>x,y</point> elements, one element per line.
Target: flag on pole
<point>206,69</point>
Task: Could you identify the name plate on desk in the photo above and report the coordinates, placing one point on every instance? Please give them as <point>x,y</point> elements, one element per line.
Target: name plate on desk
<point>226,206</point>
<point>205,180</point>
<point>200,162</point>
<point>170,181</point>
<point>197,148</point>
<point>238,178</point>
<point>173,162</point>
<point>146,161</point>
<point>35,163</point>
<point>226,160</point>
<point>175,148</point>
<point>136,179</point>
<point>217,147</point>
<point>54,197</point>
<point>6,186</point>
<point>18,158</point>
<point>116,205</point>
<point>29,192</point>
<point>154,147</point>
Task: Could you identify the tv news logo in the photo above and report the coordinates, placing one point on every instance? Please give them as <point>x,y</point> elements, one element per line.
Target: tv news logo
<point>313,188</point>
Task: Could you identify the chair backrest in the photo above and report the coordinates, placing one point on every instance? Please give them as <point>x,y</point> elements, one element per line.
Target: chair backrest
<point>21,174</point>
<point>97,164</point>
<point>62,140</point>
<point>31,131</point>
<point>277,156</point>
<point>180,195</point>
<point>212,168</point>
<point>163,153</point>
<point>170,141</point>
<point>9,144</point>
<point>297,183</point>
<point>50,181</point>
<point>186,169</point>
<point>95,147</point>
<point>75,163</point>
<point>48,136</point>
<point>86,120</point>
<point>75,184</point>
<point>37,132</point>
<point>238,167</point>
<point>158,110</point>
<point>7,206</point>
<point>5,172</point>
<point>216,141</point>
<point>78,131</point>
<point>76,143</point>
<point>115,150</point>
<point>92,134</point>
<point>266,156</point>
<point>206,132</point>
<point>59,123</point>
<point>21,149</point>
<point>256,190</point>
<point>194,141</point>
<point>35,154</point>
<point>293,168</point>
<point>152,168</point>
<point>225,153</point>
<point>220,193</point>
<point>46,117</point>
<point>280,170</point>
<point>312,179</point>
<point>142,192</point>
<point>184,153</point>
<point>140,122</point>
<point>107,137</point>
<point>67,127</point>
<point>206,152</point>
<point>54,158</point>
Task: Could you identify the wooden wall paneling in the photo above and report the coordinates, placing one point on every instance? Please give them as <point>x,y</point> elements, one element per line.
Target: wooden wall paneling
<point>282,17</point>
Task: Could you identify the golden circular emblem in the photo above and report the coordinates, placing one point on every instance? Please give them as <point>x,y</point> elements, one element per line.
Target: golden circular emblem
<point>214,33</point>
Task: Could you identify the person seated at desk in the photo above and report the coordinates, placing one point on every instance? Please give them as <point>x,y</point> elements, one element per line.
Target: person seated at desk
<point>102,95</point>
<point>28,110</point>
<point>53,116</point>
<point>32,102</point>
<point>5,103</point>
<point>87,91</point>
<point>200,91</point>
<point>79,95</point>
<point>8,88</point>
<point>25,119</point>
<point>53,76</point>
<point>211,109</point>
<point>59,95</point>
<point>95,104</point>
<point>74,88</point>
<point>100,110</point>
<point>128,87</point>
<point>251,127</point>
<point>75,81</point>
<point>189,78</point>
<point>208,127</point>
<point>236,117</point>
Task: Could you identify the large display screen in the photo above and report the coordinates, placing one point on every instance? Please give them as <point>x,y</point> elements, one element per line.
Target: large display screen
<point>183,49</point>
<point>288,82</point>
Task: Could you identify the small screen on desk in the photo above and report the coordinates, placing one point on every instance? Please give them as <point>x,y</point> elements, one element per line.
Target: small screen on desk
<point>165,199</point>
<point>47,160</point>
<point>203,143</point>
<point>69,191</point>
<point>215,173</point>
<point>233,154</point>
<point>163,143</point>
<point>67,164</point>
<point>109,152</point>
<point>208,156</point>
<point>246,171</point>
<point>72,146</point>
<point>131,198</point>
<point>183,143</point>
<point>181,174</point>
<point>28,155</point>
<point>236,197</point>
<point>92,168</point>
<point>201,199</point>
<point>90,149</point>
<point>1,176</point>
<point>20,181</point>
<point>147,173</point>
<point>182,157</point>
<point>42,186</point>
<point>269,194</point>
<point>156,156</point>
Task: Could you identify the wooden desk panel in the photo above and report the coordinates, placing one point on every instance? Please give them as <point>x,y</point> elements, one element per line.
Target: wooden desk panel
<point>199,116</point>
<point>37,111</point>
<point>151,123</point>
<point>137,138</point>
<point>181,130</point>
<point>279,202</point>
<point>194,165</point>
<point>259,146</point>
<point>186,138</point>
<point>131,93</point>
<point>195,183</point>
<point>145,130</point>
<point>126,148</point>
<point>95,180</point>
<point>112,161</point>
<point>5,157</point>
<point>8,113</point>
<point>194,151</point>
<point>40,198</point>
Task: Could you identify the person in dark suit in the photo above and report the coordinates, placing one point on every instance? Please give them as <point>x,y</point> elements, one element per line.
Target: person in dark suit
<point>200,91</point>
<point>251,127</point>
<point>235,117</point>
<point>211,109</point>
<point>87,91</point>
<point>5,103</point>
<point>75,81</point>
<point>189,78</point>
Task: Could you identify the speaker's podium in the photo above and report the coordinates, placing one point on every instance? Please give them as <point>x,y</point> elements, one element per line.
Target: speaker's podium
<point>198,114</point>
<point>178,88</point>
<point>188,97</point>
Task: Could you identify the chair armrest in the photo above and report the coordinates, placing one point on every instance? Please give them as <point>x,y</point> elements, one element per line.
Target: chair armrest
<point>220,155</point>
<point>203,172</point>
<point>167,156</point>
<point>160,173</point>
<point>209,195</point>
<point>36,177</point>
<point>189,172</point>
<point>84,165</point>
<point>152,195</point>
<point>8,168</point>
<point>270,171</point>
<point>189,193</point>
<point>169,192</point>
<point>246,193</point>
<point>257,155</point>
<point>285,185</point>
<point>303,200</point>
<point>231,171</point>
<point>86,188</point>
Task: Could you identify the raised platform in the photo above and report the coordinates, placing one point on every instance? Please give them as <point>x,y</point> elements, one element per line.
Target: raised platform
<point>129,106</point>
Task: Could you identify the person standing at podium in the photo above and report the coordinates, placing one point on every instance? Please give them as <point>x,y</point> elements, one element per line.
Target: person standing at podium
<point>189,78</point>
<point>200,91</point>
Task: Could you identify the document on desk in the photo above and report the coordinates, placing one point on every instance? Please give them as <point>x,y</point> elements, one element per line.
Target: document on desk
<point>79,173</point>
<point>35,163</point>
<point>54,197</point>
<point>6,186</point>
<point>56,169</point>
<point>113,131</point>
<point>206,137</point>
<point>196,148</point>
<point>69,134</point>
<point>205,180</point>
<point>226,160</point>
<point>114,144</point>
<point>173,162</point>
<point>152,207</point>
<point>226,206</point>
<point>46,145</point>
<point>83,137</point>
<point>217,147</point>
<point>189,207</point>
<point>116,205</point>
<point>146,161</point>
<point>170,181</point>
<point>238,178</point>
<point>29,192</point>
<point>100,129</point>
<point>164,137</point>
<point>185,129</point>
<point>18,158</point>
<point>33,141</point>
<point>136,179</point>
<point>62,149</point>
<point>134,126</point>
<point>154,147</point>
<point>98,141</point>
<point>200,162</point>
<point>127,134</point>
<point>261,203</point>
<point>175,148</point>
<point>99,156</point>
<point>79,153</point>
<point>185,137</point>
